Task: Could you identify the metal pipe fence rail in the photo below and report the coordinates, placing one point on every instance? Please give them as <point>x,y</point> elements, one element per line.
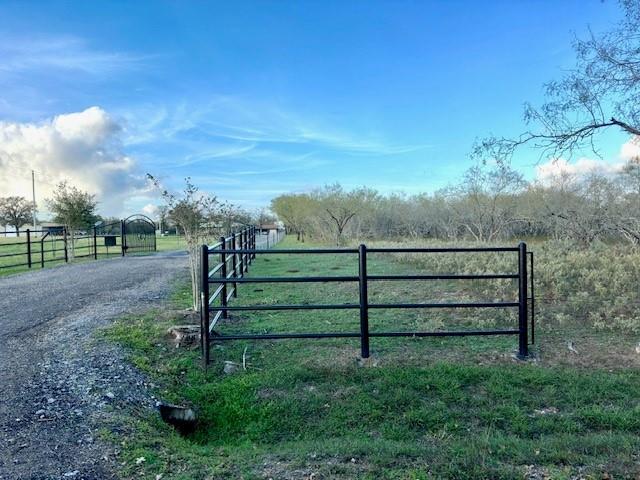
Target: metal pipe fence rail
<point>227,282</point>
<point>34,248</point>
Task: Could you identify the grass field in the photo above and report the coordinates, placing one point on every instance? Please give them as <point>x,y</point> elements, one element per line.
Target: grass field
<point>419,408</point>
<point>173,242</point>
<point>14,251</point>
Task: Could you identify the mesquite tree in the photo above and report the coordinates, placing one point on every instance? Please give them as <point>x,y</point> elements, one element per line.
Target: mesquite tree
<point>601,92</point>
<point>490,203</point>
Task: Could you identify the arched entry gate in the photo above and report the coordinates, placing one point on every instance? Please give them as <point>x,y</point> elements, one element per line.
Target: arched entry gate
<point>134,234</point>
<point>138,234</point>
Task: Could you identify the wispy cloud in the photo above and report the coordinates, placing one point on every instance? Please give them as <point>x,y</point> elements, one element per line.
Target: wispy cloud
<point>248,151</point>
<point>64,53</point>
<point>219,152</point>
<point>237,121</point>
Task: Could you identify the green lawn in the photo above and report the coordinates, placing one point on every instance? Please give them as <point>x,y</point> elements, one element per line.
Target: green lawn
<point>419,408</point>
<point>170,242</point>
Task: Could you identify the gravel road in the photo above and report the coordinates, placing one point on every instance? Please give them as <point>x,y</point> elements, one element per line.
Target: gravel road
<point>58,383</point>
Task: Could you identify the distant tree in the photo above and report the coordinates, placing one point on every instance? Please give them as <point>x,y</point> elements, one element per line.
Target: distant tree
<point>599,93</point>
<point>339,207</point>
<point>73,208</point>
<point>163,213</point>
<point>486,200</point>
<point>108,225</point>
<point>229,216</point>
<point>16,211</point>
<point>295,210</point>
<point>627,218</point>
<point>263,217</point>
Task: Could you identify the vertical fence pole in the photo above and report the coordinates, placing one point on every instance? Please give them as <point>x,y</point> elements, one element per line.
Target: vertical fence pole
<point>66,250</point>
<point>223,274</point>
<point>234,264</point>
<point>241,256</point>
<point>123,237</point>
<point>29,247</point>
<point>42,252</point>
<point>523,317</point>
<point>245,246</point>
<point>204,301</point>
<point>253,240</point>
<point>364,302</point>
<point>95,244</point>
<point>533,302</point>
<point>248,245</point>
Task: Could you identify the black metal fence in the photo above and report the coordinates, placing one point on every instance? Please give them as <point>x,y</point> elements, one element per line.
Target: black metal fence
<point>36,248</point>
<point>240,253</point>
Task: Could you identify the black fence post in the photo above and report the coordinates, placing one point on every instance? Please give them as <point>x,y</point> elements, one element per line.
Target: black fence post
<point>364,302</point>
<point>249,245</point>
<point>245,246</point>
<point>241,255</point>
<point>42,251</point>
<point>253,240</point>
<point>95,244</point>
<point>29,247</point>
<point>223,274</point>
<point>533,302</point>
<point>123,237</point>
<point>204,301</point>
<point>234,264</point>
<point>523,300</point>
<point>66,250</point>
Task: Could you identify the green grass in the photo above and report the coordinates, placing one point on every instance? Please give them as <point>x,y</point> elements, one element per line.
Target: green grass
<point>420,408</point>
<point>170,242</point>
<point>14,251</point>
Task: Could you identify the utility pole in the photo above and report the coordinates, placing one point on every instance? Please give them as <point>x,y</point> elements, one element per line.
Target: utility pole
<point>33,191</point>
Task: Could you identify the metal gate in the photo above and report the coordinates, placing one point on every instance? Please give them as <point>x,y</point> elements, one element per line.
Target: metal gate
<point>239,249</point>
<point>138,234</point>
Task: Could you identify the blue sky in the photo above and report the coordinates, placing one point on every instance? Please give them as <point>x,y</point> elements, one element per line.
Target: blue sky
<point>252,99</point>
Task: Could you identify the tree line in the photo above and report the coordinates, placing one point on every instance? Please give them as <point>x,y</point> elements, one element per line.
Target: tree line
<point>491,202</point>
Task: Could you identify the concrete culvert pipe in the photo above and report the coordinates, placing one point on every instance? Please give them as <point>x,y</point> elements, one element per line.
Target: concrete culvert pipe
<point>182,418</point>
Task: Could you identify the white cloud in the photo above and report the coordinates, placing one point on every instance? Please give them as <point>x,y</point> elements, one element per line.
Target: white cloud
<point>151,210</point>
<point>560,167</point>
<point>83,148</point>
<point>630,149</point>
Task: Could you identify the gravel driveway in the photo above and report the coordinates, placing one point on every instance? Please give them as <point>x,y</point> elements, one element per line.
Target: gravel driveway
<point>58,384</point>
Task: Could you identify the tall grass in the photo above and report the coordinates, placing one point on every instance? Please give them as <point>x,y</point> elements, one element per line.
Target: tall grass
<point>596,286</point>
